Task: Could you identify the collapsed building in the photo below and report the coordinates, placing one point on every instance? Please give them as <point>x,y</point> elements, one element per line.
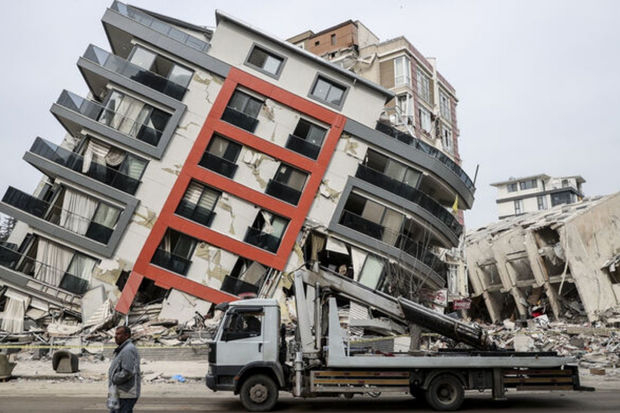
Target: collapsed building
<point>208,164</point>
<point>562,262</point>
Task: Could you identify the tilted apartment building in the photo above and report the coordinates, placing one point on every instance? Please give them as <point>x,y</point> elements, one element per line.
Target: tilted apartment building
<point>213,163</point>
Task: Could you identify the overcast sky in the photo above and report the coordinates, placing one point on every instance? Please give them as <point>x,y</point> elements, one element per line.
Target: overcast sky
<point>537,80</point>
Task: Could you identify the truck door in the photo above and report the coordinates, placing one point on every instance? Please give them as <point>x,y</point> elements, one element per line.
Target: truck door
<point>242,338</point>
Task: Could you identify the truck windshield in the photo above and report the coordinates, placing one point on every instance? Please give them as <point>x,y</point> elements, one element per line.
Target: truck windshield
<point>242,324</point>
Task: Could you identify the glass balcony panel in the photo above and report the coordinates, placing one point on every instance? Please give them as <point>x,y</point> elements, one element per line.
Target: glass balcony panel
<point>195,213</point>
<point>360,224</point>
<point>240,119</point>
<point>262,240</point>
<point>74,284</point>
<point>99,233</point>
<point>219,165</point>
<point>303,147</point>
<point>25,202</point>
<point>73,161</point>
<point>236,286</point>
<point>283,192</point>
<point>171,262</point>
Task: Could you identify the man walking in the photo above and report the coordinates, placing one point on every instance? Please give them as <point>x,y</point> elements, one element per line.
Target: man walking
<point>124,372</point>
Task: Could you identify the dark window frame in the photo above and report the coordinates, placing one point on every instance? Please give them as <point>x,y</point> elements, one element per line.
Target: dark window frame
<point>269,52</point>
<point>333,83</point>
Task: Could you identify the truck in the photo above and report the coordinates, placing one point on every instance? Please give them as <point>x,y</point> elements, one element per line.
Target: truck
<point>250,355</point>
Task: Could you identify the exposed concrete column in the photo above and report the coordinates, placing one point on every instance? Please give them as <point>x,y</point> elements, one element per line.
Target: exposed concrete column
<point>508,281</point>
<point>415,332</point>
<point>539,269</point>
<point>477,282</point>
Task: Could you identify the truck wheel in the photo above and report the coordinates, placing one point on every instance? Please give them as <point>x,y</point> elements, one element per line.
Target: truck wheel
<point>445,393</point>
<point>259,393</point>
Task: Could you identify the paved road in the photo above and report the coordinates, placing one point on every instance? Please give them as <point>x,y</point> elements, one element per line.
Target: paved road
<point>531,403</point>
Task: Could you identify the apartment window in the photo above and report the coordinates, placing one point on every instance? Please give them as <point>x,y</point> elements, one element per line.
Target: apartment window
<point>221,156</point>
<point>77,277</point>
<point>332,39</point>
<point>402,71</point>
<point>446,139</point>
<point>265,61</point>
<point>405,106</point>
<point>317,43</point>
<point>425,119</point>
<point>561,198</point>
<point>372,219</point>
<point>518,206</point>
<point>328,92</point>
<point>198,203</point>
<point>372,271</point>
<point>392,169</point>
<point>512,187</point>
<point>529,184</point>
<point>174,252</point>
<point>542,202</point>
<point>287,184</point>
<point>444,106</point>
<point>162,66</point>
<point>307,139</point>
<point>424,86</point>
<point>267,231</point>
<point>242,111</point>
<point>564,183</point>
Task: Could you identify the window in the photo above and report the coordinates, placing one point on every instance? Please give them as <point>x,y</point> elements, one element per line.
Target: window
<point>174,252</point>
<point>198,203</point>
<point>287,184</point>
<point>242,324</point>
<point>561,198</point>
<point>306,139</point>
<point>162,66</point>
<point>221,156</point>
<point>265,61</point>
<point>512,187</point>
<point>542,202</point>
<point>529,184</point>
<point>332,39</point>
<point>425,119</point>
<point>267,230</point>
<point>402,71</point>
<point>371,273</point>
<point>328,92</point>
<point>77,277</point>
<point>446,139</point>
<point>242,111</point>
<point>405,107</point>
<point>424,86</point>
<point>393,169</point>
<point>518,206</point>
<point>444,106</point>
<point>564,183</point>
<point>372,219</point>
<point>317,43</point>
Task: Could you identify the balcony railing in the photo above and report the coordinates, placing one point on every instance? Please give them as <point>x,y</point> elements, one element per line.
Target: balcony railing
<point>195,213</point>
<point>16,261</point>
<point>240,119</point>
<point>220,165</point>
<point>262,240</point>
<point>236,286</point>
<point>428,149</point>
<point>393,238</point>
<point>171,262</point>
<point>54,214</point>
<point>111,118</point>
<point>410,193</point>
<point>283,192</point>
<point>75,162</point>
<point>160,26</point>
<point>303,147</point>
<point>134,72</point>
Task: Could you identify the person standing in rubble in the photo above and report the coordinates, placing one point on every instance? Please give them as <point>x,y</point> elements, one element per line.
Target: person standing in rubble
<point>124,374</point>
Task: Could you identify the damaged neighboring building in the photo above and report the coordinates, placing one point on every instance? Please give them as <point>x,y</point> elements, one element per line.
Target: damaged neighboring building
<point>207,164</point>
<point>562,261</point>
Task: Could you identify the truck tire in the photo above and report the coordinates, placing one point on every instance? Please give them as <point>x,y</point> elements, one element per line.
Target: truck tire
<point>445,393</point>
<point>259,393</point>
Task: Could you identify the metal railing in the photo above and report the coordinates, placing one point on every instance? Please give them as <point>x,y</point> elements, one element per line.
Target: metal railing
<point>75,162</point>
<point>283,192</point>
<point>240,119</point>
<point>134,72</point>
<point>302,146</point>
<point>160,26</point>
<point>109,117</point>
<point>16,261</point>
<point>54,213</point>
<point>170,261</point>
<point>220,165</point>
<point>428,149</point>
<point>195,213</point>
<point>262,240</point>
<point>410,193</point>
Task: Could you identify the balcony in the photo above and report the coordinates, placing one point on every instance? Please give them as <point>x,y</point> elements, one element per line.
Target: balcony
<point>217,164</point>
<point>160,26</point>
<point>31,268</point>
<point>54,214</point>
<point>110,118</point>
<point>429,150</point>
<point>171,262</point>
<point>360,224</point>
<point>240,119</point>
<point>134,72</point>
<point>262,240</point>
<point>195,213</point>
<point>236,286</point>
<point>303,147</point>
<point>283,192</point>
<point>412,194</point>
<point>75,162</point>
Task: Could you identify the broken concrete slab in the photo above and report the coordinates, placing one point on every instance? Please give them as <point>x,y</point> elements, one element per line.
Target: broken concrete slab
<point>183,307</point>
<point>92,300</point>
